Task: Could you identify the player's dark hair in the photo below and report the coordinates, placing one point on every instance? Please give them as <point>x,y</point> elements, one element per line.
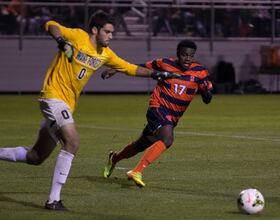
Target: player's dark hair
<point>99,19</point>
<point>185,44</point>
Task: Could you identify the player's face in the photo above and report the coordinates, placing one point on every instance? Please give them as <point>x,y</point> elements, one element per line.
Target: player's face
<point>186,57</point>
<point>104,35</point>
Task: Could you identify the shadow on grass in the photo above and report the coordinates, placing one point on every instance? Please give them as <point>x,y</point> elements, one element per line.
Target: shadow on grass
<point>235,213</point>
<point>78,214</point>
<point>5,198</point>
<point>162,189</point>
<point>124,183</point>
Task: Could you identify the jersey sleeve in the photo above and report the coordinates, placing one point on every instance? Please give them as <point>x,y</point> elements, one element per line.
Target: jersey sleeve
<point>154,65</point>
<point>120,64</point>
<point>69,34</point>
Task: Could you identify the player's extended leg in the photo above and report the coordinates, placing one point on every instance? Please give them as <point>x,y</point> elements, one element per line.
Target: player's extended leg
<point>35,155</point>
<point>70,144</point>
<point>165,140</point>
<point>127,152</point>
<point>42,148</point>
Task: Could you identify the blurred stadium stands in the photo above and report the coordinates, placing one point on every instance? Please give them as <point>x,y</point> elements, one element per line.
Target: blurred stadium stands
<point>237,30</point>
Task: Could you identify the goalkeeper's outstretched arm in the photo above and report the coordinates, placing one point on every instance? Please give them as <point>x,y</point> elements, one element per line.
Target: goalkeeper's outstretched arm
<point>143,72</point>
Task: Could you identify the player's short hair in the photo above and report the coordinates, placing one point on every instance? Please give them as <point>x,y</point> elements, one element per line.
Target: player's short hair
<point>185,44</point>
<point>99,19</point>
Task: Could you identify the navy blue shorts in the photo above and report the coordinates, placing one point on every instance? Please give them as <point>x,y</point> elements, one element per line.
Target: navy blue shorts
<point>156,119</point>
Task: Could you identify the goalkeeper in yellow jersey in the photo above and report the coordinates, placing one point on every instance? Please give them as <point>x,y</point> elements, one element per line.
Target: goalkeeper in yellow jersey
<point>81,54</point>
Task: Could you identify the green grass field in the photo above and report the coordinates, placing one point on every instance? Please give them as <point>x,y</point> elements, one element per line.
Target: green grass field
<point>219,149</point>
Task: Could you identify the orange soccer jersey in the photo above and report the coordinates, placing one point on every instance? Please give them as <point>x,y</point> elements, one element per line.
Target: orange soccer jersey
<point>173,96</point>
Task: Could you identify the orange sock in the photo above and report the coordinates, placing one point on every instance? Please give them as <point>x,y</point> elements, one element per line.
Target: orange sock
<point>150,155</point>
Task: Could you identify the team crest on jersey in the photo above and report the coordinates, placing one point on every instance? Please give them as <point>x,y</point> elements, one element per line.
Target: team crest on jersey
<point>88,60</point>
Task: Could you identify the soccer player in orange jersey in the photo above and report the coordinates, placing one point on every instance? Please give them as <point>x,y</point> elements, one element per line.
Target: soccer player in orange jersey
<point>81,54</point>
<point>168,102</point>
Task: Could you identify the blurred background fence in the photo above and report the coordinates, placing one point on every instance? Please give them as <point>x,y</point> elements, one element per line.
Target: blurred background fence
<point>237,40</point>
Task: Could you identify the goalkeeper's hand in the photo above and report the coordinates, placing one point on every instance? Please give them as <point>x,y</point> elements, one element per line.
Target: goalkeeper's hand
<point>160,76</point>
<point>66,47</point>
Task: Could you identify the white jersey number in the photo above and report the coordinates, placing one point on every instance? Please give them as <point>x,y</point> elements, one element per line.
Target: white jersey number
<point>179,89</point>
<point>82,73</point>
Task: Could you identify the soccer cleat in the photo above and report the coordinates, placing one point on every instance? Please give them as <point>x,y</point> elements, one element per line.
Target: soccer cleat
<point>108,169</point>
<point>55,206</point>
<point>136,177</point>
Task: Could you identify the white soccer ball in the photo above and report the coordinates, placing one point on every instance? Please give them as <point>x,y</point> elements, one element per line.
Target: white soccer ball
<point>250,201</point>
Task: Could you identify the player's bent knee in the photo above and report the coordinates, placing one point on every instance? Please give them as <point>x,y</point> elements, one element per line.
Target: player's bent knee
<point>72,146</point>
<point>168,142</point>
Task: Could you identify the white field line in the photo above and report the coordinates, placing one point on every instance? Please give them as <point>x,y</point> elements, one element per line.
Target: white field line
<point>123,168</point>
<point>274,139</point>
<point>271,139</point>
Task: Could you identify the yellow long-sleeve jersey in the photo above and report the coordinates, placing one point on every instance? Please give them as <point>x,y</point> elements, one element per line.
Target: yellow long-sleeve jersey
<point>65,80</point>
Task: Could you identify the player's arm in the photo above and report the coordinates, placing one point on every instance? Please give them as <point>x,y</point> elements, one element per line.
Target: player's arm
<point>53,29</point>
<point>120,65</point>
<point>139,71</point>
<point>143,72</point>
<point>155,74</point>
<point>205,86</point>
<point>154,70</point>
